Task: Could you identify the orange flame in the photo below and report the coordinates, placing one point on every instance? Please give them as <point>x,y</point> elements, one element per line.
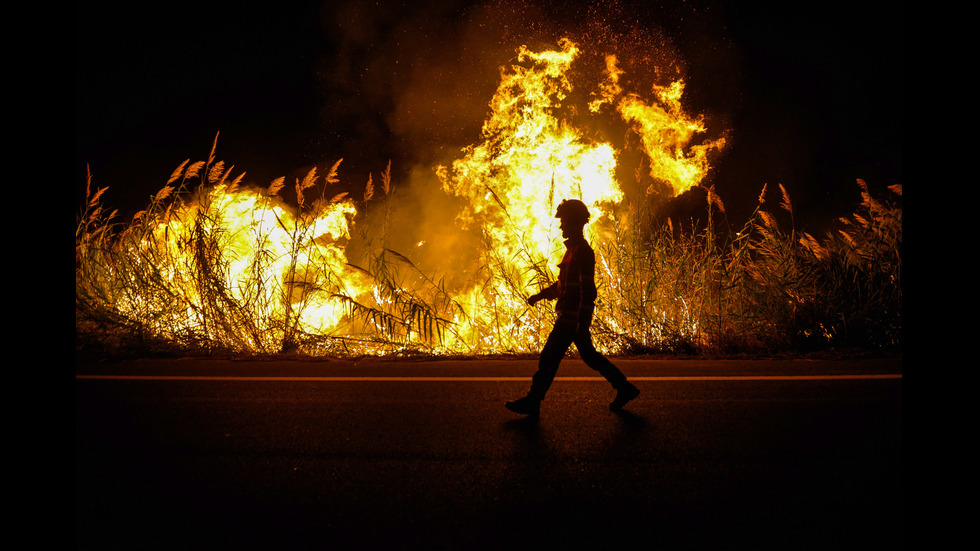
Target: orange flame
<point>282,271</point>
<point>531,159</point>
<point>266,257</point>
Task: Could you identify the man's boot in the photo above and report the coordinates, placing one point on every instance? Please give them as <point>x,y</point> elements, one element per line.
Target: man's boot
<point>527,405</point>
<point>624,394</point>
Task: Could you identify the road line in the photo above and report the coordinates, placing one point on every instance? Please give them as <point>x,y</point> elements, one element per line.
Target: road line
<point>482,379</point>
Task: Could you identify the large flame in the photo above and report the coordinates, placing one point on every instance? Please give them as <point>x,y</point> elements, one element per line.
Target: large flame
<point>531,159</point>
<point>239,265</point>
<point>258,253</point>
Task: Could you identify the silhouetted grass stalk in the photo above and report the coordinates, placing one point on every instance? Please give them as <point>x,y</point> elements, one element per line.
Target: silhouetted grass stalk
<point>197,271</point>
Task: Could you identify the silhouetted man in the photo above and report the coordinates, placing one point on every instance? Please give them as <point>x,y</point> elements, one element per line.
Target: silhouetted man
<point>575,295</point>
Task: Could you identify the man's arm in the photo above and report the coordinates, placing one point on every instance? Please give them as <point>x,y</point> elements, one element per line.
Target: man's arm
<point>549,292</point>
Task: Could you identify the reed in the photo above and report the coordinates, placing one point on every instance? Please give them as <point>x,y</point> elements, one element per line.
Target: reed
<point>196,271</point>
<point>764,288</point>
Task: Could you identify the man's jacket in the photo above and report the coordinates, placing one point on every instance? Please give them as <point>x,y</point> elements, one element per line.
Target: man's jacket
<point>575,290</point>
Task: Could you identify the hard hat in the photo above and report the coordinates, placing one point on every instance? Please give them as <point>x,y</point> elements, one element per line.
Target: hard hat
<point>573,210</point>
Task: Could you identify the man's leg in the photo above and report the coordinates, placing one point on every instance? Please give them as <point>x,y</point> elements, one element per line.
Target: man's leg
<point>554,350</point>
<point>594,359</point>
<point>625,391</point>
<point>561,337</point>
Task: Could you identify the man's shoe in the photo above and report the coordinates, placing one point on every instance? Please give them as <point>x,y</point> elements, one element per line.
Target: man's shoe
<point>624,395</point>
<point>525,406</point>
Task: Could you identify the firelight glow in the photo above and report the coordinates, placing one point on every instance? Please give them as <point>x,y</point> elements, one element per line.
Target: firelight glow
<point>246,269</point>
<point>530,160</point>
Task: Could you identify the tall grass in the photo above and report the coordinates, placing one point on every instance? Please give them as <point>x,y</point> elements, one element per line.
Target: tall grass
<point>763,288</point>
<point>181,277</point>
<point>197,271</point>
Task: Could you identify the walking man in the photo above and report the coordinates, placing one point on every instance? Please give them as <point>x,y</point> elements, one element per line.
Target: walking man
<point>574,294</point>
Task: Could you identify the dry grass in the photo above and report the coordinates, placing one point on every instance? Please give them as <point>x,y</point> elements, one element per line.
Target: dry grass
<point>175,279</point>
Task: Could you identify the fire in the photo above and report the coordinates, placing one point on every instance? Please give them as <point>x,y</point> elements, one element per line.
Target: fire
<point>664,129</point>
<point>666,134</point>
<point>240,267</point>
<point>531,159</point>
<point>280,264</point>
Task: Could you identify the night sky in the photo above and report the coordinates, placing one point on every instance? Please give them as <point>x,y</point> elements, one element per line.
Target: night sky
<point>812,95</point>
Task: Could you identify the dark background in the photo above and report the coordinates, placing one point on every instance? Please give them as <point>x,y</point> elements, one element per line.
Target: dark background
<point>811,95</point>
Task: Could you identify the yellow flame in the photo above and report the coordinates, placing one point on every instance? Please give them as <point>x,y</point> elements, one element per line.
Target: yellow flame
<point>530,159</point>
<point>665,130</point>
<point>291,264</point>
<point>666,133</point>
<point>267,257</point>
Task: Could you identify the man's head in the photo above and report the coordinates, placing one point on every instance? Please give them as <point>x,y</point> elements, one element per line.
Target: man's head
<point>573,215</point>
<point>573,211</point>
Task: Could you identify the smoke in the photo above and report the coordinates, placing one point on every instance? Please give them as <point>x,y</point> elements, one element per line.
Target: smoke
<point>411,84</point>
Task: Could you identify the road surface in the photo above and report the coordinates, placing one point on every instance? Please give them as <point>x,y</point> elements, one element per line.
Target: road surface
<point>191,454</point>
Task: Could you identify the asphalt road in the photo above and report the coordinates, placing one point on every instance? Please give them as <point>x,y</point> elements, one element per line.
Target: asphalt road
<point>186,454</point>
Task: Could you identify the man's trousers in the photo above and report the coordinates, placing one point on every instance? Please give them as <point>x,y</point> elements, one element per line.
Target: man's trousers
<point>565,332</point>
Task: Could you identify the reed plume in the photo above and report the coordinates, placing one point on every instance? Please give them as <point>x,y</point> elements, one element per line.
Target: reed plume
<point>195,270</point>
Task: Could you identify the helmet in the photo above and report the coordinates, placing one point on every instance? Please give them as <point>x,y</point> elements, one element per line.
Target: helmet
<point>573,210</point>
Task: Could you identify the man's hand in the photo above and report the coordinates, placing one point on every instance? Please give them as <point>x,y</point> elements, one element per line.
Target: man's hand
<point>534,299</point>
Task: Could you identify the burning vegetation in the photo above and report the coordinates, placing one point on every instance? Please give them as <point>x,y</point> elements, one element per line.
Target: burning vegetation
<point>215,265</point>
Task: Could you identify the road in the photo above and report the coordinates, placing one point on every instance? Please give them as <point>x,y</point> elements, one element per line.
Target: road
<point>191,454</point>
